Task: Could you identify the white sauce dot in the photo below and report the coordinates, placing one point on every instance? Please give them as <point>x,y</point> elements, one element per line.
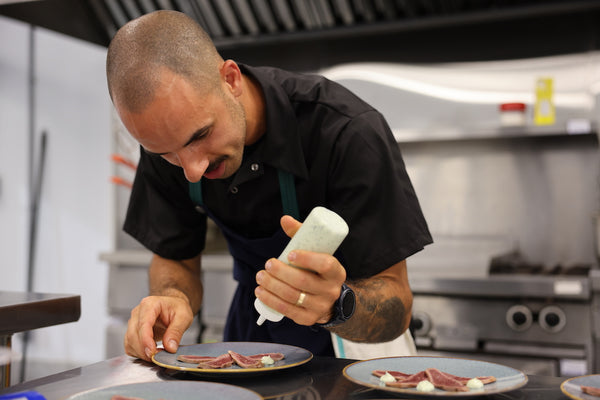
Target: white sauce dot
<point>474,384</point>
<point>267,360</point>
<point>425,386</point>
<point>387,377</point>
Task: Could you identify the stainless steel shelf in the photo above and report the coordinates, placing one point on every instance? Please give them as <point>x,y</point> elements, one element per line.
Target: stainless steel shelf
<point>503,133</point>
<point>507,286</point>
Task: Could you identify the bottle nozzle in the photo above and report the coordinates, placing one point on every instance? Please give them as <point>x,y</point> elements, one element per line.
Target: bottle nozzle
<point>266,313</point>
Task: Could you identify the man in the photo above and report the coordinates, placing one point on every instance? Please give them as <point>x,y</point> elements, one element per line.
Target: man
<point>245,146</point>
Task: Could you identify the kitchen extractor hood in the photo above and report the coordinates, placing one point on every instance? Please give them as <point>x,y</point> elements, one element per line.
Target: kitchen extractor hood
<point>336,31</point>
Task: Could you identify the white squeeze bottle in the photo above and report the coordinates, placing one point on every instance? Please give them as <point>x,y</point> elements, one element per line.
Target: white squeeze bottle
<point>322,232</point>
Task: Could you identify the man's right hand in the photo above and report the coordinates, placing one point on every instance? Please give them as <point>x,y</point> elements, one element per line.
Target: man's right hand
<point>157,318</point>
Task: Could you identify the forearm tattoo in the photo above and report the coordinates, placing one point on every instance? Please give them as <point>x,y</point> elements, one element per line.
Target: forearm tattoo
<point>376,319</point>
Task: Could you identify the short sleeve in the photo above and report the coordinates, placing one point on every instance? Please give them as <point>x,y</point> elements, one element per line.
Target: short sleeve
<point>372,191</point>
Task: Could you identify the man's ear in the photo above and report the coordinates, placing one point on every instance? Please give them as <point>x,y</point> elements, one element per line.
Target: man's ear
<point>232,76</point>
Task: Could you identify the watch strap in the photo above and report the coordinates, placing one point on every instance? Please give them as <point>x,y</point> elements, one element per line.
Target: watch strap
<point>343,308</point>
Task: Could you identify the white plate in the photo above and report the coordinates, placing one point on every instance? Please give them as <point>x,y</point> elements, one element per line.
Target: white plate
<point>572,387</point>
<point>507,378</point>
<point>172,390</point>
<point>294,356</point>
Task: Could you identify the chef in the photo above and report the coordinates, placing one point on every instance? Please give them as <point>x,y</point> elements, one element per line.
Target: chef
<point>256,149</point>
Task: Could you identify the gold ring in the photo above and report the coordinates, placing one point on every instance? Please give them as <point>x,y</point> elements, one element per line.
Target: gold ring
<point>301,299</point>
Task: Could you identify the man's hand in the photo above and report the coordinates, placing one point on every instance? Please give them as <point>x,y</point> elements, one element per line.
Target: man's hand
<point>157,318</point>
<point>320,279</point>
<point>384,301</point>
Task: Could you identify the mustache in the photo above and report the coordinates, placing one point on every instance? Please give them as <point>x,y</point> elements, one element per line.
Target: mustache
<point>215,164</point>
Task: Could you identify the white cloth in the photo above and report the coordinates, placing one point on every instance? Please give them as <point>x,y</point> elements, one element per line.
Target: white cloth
<point>403,345</point>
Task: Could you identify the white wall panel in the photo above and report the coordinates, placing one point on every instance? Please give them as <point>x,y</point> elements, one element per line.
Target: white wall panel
<point>76,209</point>
<point>73,107</point>
<point>13,154</point>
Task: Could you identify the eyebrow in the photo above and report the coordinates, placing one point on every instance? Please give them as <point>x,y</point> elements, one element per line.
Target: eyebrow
<point>195,136</point>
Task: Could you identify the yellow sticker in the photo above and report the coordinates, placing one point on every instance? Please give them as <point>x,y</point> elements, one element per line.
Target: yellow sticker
<point>544,111</point>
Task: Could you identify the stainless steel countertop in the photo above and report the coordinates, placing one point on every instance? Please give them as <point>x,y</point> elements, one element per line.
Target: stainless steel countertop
<point>321,378</point>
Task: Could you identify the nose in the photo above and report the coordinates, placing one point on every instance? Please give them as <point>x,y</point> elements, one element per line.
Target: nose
<point>194,166</point>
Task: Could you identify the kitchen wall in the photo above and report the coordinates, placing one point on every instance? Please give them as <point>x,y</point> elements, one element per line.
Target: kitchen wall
<point>487,189</point>
<point>75,213</point>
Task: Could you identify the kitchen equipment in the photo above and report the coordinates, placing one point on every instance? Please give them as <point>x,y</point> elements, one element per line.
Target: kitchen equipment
<point>538,323</point>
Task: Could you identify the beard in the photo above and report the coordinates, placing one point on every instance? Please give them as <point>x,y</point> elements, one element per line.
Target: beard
<point>237,126</point>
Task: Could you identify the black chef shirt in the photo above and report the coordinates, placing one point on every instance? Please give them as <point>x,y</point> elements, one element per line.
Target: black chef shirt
<point>343,157</point>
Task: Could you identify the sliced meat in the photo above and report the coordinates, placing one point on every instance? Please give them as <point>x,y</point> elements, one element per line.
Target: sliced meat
<point>245,361</point>
<point>465,379</point>
<point>487,379</point>
<point>591,390</point>
<point>408,381</point>
<point>442,381</point>
<point>121,397</point>
<point>191,359</point>
<point>226,360</point>
<point>222,361</point>
<point>274,356</point>
<point>396,374</point>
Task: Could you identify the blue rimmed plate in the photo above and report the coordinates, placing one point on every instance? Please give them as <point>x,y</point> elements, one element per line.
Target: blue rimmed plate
<point>507,379</point>
<point>294,356</point>
<point>572,387</point>
<point>172,390</point>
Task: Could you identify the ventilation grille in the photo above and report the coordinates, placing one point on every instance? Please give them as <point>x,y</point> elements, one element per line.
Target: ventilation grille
<point>234,19</point>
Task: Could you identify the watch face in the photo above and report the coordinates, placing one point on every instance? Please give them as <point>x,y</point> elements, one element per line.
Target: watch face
<point>348,304</point>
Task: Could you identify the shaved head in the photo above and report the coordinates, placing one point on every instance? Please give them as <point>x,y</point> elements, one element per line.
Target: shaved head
<point>144,47</point>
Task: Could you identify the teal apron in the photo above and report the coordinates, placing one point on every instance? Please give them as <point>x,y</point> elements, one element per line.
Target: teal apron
<point>249,257</point>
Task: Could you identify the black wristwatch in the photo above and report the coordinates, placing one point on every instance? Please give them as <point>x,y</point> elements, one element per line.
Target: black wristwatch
<point>343,308</point>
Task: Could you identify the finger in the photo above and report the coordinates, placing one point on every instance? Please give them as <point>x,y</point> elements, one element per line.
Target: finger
<point>147,318</point>
<point>175,331</point>
<point>131,344</point>
<point>139,341</point>
<point>282,296</point>
<point>301,315</point>
<point>289,225</point>
<point>296,282</point>
<point>325,265</point>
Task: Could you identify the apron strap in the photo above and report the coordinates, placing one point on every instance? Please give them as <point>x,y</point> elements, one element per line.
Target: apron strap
<point>195,189</point>
<point>287,187</point>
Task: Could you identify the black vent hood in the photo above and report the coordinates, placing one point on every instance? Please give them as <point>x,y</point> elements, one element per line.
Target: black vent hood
<point>333,31</point>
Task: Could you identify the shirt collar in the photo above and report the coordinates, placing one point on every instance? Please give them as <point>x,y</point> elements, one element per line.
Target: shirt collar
<point>280,146</point>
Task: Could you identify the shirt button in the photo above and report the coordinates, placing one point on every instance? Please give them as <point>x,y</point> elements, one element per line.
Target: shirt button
<point>234,190</point>
<point>254,167</point>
